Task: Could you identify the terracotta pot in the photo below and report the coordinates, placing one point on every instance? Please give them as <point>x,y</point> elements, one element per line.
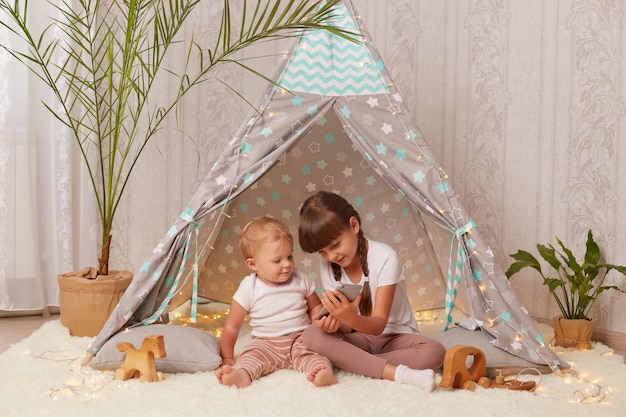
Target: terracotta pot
<point>574,333</point>
<point>86,303</point>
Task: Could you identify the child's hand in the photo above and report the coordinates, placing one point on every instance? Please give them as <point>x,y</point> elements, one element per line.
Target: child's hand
<point>329,324</point>
<point>339,306</point>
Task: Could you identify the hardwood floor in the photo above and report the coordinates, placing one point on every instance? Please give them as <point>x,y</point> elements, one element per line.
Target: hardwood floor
<point>14,329</point>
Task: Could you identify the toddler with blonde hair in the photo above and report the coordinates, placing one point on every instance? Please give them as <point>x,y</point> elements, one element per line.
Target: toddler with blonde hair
<point>280,303</point>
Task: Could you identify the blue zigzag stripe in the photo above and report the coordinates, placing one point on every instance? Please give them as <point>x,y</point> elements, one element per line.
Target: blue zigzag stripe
<point>334,48</point>
<point>324,60</point>
<point>321,57</point>
<point>333,90</point>
<point>305,76</point>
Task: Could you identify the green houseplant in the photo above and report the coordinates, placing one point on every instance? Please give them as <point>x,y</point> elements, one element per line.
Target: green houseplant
<point>575,286</point>
<point>114,60</point>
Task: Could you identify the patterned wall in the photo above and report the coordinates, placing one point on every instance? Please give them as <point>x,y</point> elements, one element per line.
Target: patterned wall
<point>521,102</point>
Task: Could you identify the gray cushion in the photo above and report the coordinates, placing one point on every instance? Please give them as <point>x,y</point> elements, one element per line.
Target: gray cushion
<point>188,349</point>
<point>499,361</point>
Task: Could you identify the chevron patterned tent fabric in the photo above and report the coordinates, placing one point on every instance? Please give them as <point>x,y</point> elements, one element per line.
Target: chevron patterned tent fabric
<point>335,121</point>
<point>327,64</point>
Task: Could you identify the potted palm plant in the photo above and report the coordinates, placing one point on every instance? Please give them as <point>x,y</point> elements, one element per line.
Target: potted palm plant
<point>106,95</point>
<point>575,287</point>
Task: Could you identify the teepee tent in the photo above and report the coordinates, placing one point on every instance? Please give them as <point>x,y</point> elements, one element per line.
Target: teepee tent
<point>334,121</point>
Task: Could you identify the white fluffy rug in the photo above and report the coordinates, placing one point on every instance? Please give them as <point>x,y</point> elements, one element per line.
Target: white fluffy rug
<point>41,376</point>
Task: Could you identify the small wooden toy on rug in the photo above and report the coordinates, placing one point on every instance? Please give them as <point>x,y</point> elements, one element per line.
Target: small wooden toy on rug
<point>455,372</point>
<point>457,375</point>
<point>515,384</point>
<point>140,362</point>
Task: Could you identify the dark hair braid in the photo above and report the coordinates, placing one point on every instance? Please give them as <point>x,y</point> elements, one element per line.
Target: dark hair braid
<point>336,271</point>
<point>366,294</point>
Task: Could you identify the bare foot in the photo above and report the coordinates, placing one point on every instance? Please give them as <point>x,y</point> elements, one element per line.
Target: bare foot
<point>227,375</point>
<point>322,376</point>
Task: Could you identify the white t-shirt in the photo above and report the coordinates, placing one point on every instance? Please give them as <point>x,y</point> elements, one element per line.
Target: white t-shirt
<point>276,310</point>
<point>385,268</point>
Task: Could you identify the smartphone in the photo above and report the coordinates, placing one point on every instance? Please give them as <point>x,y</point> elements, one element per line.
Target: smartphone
<point>349,290</point>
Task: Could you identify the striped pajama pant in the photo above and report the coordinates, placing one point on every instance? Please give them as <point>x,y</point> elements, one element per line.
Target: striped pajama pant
<point>264,355</point>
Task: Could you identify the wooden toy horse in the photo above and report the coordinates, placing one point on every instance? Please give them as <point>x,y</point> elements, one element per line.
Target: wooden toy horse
<point>140,362</point>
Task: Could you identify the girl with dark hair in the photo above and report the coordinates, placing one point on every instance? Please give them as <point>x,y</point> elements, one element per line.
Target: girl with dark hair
<point>376,334</point>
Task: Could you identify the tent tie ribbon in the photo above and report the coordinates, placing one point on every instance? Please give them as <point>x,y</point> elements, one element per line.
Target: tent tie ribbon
<point>172,291</point>
<point>188,216</point>
<point>454,281</point>
<point>194,292</point>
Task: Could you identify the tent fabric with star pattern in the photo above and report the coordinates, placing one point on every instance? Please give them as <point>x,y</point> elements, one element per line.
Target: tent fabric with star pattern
<point>334,121</point>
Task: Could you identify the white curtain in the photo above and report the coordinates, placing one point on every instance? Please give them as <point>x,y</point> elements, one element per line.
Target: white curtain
<point>47,214</point>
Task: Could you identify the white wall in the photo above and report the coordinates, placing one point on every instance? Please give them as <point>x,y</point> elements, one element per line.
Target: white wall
<point>521,101</point>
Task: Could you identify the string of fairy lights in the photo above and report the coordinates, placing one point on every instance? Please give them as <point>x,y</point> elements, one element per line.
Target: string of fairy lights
<point>86,384</point>
<point>83,382</point>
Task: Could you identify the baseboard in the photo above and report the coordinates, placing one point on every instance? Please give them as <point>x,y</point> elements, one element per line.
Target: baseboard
<point>45,312</point>
<point>614,340</point>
